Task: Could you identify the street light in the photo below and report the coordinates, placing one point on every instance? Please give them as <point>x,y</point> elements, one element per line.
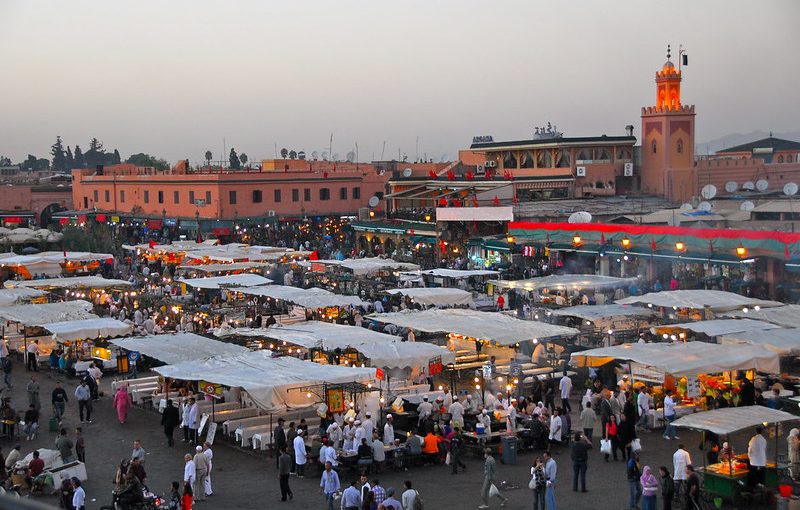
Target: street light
<point>576,240</point>
<point>372,214</point>
<point>427,217</point>
<point>626,243</point>
<point>510,239</point>
<point>741,251</point>
<point>680,246</point>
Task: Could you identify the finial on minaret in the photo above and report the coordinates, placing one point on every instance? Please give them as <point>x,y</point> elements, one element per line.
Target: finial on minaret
<point>668,52</point>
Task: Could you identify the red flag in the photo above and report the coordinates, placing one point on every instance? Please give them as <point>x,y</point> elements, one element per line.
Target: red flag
<point>334,167</point>
<point>786,251</point>
<point>514,199</point>
<point>456,203</point>
<point>488,175</point>
<point>442,202</point>
<point>496,201</point>
<point>152,244</point>
<point>451,176</point>
<point>602,238</point>
<point>314,255</point>
<point>470,176</point>
<point>475,200</point>
<point>65,253</point>
<point>652,244</point>
<point>432,174</point>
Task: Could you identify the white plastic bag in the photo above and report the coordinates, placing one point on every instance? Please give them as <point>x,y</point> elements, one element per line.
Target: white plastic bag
<point>605,446</point>
<point>447,459</point>
<point>494,491</point>
<point>636,445</point>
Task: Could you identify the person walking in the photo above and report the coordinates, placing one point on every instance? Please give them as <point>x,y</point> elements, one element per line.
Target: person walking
<point>64,446</point>
<point>579,454</point>
<point>409,496</point>
<point>33,392</point>
<point>588,420</point>
<point>170,420</point>
<point>84,396</point>
<point>189,471</point>
<point>539,482</point>
<point>7,365</point>
<point>456,447</point>
<point>209,454</point>
<point>565,387</point>
<point>193,423</point>
<point>80,445</point>
<point>550,471</point>
<point>611,435</point>
<point>351,497</point>
<point>680,459</point>
<point>757,455</point>
<point>328,484</point>
<point>634,485</point>
<point>284,468</point>
<point>201,471</point>
<point>188,496</point>
<point>78,495</point>
<point>32,350</point>
<point>649,489</point>
<point>122,402</point>
<point>138,452</point>
<point>489,471</point>
<point>31,423</point>
<point>279,436</point>
<point>667,487</point>
<point>669,415</point>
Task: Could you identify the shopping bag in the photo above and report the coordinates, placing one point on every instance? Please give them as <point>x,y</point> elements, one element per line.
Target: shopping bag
<point>636,445</point>
<point>447,459</point>
<point>493,491</point>
<point>532,483</point>
<point>605,446</point>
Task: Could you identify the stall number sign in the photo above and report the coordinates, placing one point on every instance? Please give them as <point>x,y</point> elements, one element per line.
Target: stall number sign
<point>435,365</point>
<point>379,374</point>
<point>210,388</point>
<point>643,373</point>
<point>487,371</point>
<point>692,386</point>
<point>336,400</point>
<point>317,267</point>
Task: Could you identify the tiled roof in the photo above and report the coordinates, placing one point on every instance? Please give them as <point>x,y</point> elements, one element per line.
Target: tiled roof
<point>776,144</point>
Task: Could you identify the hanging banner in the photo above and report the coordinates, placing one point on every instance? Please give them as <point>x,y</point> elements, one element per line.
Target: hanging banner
<point>335,399</point>
<point>212,432</point>
<point>379,374</point>
<point>435,365</point>
<point>210,388</point>
<point>644,373</point>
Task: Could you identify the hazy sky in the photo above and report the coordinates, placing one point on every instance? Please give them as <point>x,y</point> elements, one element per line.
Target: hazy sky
<point>173,78</point>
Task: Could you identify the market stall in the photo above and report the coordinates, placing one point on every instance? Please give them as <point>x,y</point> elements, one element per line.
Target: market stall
<point>461,278</point>
<point>178,347</point>
<point>20,295</point>
<point>436,296</point>
<point>713,300</point>
<point>71,283</point>
<point>565,283</point>
<point>712,328</point>
<point>785,342</point>
<point>786,316</point>
<point>54,263</point>
<point>728,479</point>
<point>225,282</point>
<point>623,322</point>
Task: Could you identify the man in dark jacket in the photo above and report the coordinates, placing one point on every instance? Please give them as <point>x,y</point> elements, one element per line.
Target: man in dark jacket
<point>284,468</point>
<point>279,438</point>
<point>579,454</point>
<point>170,420</point>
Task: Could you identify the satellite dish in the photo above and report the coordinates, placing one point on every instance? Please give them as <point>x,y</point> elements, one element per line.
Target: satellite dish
<point>790,189</point>
<point>374,201</point>
<point>315,155</point>
<point>301,155</point>
<point>324,156</point>
<point>580,217</point>
<point>762,185</point>
<point>709,191</point>
<point>686,207</point>
<point>407,172</point>
<point>704,206</point>
<point>443,159</point>
<point>747,206</point>
<point>731,186</point>
<point>335,156</point>
<point>748,186</point>
<point>351,156</point>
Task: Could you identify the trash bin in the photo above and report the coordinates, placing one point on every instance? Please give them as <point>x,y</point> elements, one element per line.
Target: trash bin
<point>510,450</point>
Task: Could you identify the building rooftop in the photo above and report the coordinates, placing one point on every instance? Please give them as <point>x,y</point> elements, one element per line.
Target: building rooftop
<point>586,140</point>
<point>776,144</point>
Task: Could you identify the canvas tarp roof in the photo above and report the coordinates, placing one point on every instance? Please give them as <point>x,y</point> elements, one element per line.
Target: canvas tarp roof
<point>105,327</point>
<point>564,282</point>
<point>15,295</point>
<point>716,300</point>
<point>595,312</point>
<point>787,316</point>
<point>733,419</point>
<point>458,273</point>
<point>718,327</point>
<point>362,267</point>
<point>54,257</point>
<point>381,349</point>
<point>219,268</point>
<point>493,326</point>
<point>178,347</point>
<point>233,280</point>
<point>36,315</point>
<point>266,379</point>
<point>74,282</point>
<point>783,341</point>
<point>679,359</point>
<point>307,298</point>
<point>437,296</point>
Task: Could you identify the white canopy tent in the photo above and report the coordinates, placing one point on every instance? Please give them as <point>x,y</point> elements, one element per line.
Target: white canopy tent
<point>436,296</point>
<point>597,312</point>
<point>71,331</point>
<point>221,268</point>
<point>785,342</point>
<point>719,327</point>
<point>497,327</point>
<point>37,315</point>
<point>267,380</point>
<point>733,419</point>
<point>179,347</point>
<point>716,300</point>
<point>307,298</point>
<point>787,316</point>
<point>49,262</point>
<point>233,280</point>
<point>458,274</point>
<point>564,282</point>
<point>366,266</point>
<point>679,359</point>
<point>16,295</point>
<point>75,282</point>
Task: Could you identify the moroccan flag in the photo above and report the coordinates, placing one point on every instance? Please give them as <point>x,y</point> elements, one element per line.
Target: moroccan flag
<point>515,198</point>
<point>652,244</point>
<point>470,176</point>
<point>786,251</point>
<point>324,175</point>
<point>152,244</point>
<point>602,238</point>
<point>442,202</point>
<point>432,174</point>
<point>475,200</point>
<point>451,176</point>
<point>496,201</point>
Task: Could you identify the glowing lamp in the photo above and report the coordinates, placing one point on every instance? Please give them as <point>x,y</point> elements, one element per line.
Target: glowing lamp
<point>372,214</point>
<point>626,243</point>
<point>427,217</point>
<point>510,239</point>
<point>680,246</point>
<point>576,240</point>
<point>741,251</point>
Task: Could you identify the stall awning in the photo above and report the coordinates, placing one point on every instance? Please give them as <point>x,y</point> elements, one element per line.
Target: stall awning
<point>785,342</point>
<point>733,419</point>
<point>37,315</point>
<point>104,327</point>
<point>267,380</point>
<point>718,327</point>
<point>307,298</point>
<point>221,268</point>
<point>679,359</point>
<point>497,327</point>
<point>595,312</point>
<point>576,282</point>
<point>234,280</point>
<point>457,274</point>
<point>716,300</point>
<point>178,347</point>
<point>75,282</point>
<point>12,296</point>
<point>787,316</point>
<point>362,267</point>
<point>436,296</point>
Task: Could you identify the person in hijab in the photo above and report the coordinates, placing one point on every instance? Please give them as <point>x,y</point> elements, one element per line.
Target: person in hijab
<point>794,453</point>
<point>649,489</point>
<point>122,402</point>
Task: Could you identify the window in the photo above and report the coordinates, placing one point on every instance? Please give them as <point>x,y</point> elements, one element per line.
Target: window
<point>160,197</point>
<point>509,160</point>
<point>107,195</point>
<point>780,159</point>
<point>208,197</point>
<point>176,197</point>
<point>191,197</point>
<point>258,196</point>
<point>789,158</point>
<point>342,193</point>
<point>356,193</point>
<point>307,195</point>
<point>277,197</point>
<point>295,195</point>
<point>122,196</point>
<point>654,147</point>
<point>232,197</point>
<point>680,147</point>
<point>96,195</point>
<point>324,194</point>
<point>146,197</point>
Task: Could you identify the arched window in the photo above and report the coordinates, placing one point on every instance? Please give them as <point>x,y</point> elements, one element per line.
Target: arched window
<point>680,146</point>
<point>563,159</point>
<point>654,147</point>
<point>780,159</point>
<point>789,158</point>
<point>545,159</point>
<point>509,160</point>
<point>527,160</point>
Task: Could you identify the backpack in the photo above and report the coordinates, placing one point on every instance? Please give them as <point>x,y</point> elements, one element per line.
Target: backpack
<point>418,504</point>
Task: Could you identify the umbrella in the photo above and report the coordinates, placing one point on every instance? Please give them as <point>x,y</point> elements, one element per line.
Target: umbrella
<point>29,250</point>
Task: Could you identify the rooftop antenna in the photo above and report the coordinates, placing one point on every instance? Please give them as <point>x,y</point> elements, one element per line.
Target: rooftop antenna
<point>383,149</point>
<point>276,150</point>
<point>330,146</point>
<point>416,150</point>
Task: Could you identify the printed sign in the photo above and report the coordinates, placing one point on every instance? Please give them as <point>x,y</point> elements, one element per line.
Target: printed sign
<point>335,399</point>
<point>212,431</point>
<point>379,374</point>
<point>692,386</point>
<point>643,373</point>
<point>134,356</point>
<point>210,388</point>
<point>435,365</point>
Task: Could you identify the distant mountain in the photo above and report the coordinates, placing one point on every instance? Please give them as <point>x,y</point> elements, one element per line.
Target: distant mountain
<point>735,139</point>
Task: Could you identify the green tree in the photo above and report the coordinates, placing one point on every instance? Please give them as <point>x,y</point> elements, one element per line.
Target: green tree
<point>292,154</point>
<point>59,156</point>
<point>96,237</point>
<point>243,158</point>
<point>96,145</point>
<point>80,160</point>
<point>4,161</point>
<point>70,158</point>
<point>234,160</point>
<point>284,152</point>
<point>116,160</point>
<point>209,155</point>
<point>142,159</point>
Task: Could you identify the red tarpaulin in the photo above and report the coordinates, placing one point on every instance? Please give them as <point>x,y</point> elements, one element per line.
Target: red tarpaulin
<point>314,255</point>
<point>100,217</point>
<point>222,231</point>
<point>154,224</point>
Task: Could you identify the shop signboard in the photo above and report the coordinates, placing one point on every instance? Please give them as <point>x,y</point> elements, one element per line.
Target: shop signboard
<point>435,365</point>
<point>692,386</point>
<point>210,388</point>
<point>335,399</point>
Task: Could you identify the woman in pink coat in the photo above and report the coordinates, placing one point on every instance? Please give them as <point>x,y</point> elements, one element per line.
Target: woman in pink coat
<point>122,402</point>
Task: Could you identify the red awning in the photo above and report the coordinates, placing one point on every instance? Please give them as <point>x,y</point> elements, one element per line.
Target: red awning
<point>222,231</point>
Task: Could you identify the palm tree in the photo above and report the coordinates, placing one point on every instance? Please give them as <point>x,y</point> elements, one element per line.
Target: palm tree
<point>208,158</point>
